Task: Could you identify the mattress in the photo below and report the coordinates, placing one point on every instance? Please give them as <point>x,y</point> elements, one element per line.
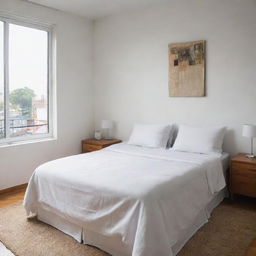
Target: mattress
<point>128,200</point>
<point>225,158</point>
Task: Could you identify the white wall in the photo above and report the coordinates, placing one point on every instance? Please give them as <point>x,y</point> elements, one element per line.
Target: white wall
<point>74,94</point>
<point>131,66</point>
<point>130,70</point>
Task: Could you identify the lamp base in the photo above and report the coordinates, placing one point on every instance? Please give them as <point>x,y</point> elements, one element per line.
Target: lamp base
<point>250,156</point>
<point>107,134</point>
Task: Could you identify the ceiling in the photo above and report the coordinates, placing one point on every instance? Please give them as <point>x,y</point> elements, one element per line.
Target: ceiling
<point>95,9</point>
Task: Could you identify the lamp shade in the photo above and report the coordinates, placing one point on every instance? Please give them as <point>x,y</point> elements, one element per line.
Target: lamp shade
<point>107,124</point>
<point>249,130</point>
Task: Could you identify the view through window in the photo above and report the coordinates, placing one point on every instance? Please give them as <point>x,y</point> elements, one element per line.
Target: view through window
<point>24,106</point>
<point>2,131</point>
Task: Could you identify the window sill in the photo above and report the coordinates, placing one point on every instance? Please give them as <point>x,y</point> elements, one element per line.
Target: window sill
<point>28,141</point>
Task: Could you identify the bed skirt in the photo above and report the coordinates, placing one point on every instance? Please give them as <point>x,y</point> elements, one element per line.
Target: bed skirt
<point>82,235</point>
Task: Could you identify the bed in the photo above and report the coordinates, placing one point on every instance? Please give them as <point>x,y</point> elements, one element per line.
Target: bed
<point>129,200</point>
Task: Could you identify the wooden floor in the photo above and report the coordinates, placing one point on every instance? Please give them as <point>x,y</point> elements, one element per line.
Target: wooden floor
<point>11,197</point>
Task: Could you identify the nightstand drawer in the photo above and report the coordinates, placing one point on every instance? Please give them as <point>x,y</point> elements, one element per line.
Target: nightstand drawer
<point>243,167</point>
<point>89,148</point>
<point>243,175</point>
<point>244,185</point>
<point>243,179</point>
<point>249,173</point>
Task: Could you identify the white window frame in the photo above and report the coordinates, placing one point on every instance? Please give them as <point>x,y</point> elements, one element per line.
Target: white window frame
<point>7,19</point>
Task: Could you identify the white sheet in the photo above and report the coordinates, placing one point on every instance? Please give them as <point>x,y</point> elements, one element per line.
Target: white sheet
<point>4,251</point>
<point>140,198</point>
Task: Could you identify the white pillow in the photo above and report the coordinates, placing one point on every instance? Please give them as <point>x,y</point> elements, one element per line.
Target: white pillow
<point>206,140</point>
<point>155,136</point>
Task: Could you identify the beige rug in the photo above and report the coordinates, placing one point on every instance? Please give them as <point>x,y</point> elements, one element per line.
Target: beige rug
<point>228,233</point>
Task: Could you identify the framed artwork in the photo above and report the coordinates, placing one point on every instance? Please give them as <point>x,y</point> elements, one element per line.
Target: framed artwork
<point>187,69</point>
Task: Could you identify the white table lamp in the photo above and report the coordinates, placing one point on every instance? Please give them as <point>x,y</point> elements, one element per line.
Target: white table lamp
<point>249,131</point>
<point>107,125</point>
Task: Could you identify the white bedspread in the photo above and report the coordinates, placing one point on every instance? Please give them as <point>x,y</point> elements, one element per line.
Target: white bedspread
<point>142,198</point>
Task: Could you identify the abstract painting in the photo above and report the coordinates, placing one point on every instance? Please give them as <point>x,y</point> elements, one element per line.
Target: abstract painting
<point>187,69</point>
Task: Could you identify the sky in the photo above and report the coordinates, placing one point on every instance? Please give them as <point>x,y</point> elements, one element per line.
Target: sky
<point>27,59</point>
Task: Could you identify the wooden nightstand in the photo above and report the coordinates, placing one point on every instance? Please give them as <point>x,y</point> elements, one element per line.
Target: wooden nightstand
<point>243,176</point>
<point>90,145</point>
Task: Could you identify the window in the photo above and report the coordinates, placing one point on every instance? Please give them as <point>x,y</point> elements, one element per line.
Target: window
<point>2,130</point>
<point>24,81</point>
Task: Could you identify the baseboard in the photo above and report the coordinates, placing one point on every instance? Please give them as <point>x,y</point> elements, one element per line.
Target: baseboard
<point>13,189</point>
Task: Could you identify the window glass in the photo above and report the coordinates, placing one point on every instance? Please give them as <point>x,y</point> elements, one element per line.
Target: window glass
<point>2,131</point>
<point>28,81</point>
